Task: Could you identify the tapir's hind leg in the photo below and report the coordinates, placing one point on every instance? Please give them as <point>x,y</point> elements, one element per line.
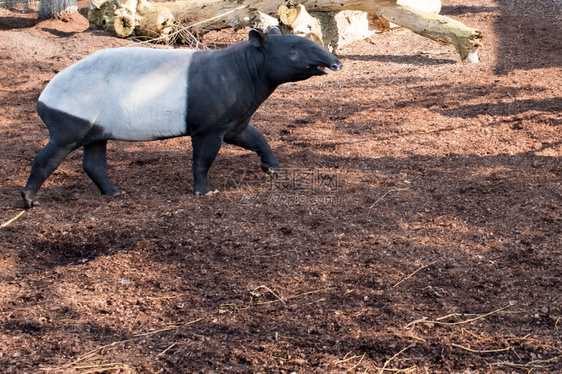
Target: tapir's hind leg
<point>95,165</point>
<point>44,164</point>
<point>205,150</point>
<point>252,139</point>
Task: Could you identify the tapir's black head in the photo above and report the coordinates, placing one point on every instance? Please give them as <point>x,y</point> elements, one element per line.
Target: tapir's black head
<point>290,58</point>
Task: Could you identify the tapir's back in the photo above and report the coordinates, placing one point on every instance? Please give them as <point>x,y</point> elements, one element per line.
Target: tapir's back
<point>131,93</point>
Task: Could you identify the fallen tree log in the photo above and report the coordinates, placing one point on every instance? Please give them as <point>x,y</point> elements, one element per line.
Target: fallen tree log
<point>155,20</point>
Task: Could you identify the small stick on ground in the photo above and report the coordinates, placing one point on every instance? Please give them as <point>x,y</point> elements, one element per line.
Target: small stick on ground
<point>346,358</point>
<point>465,331</point>
<point>520,339</point>
<point>162,297</point>
<point>111,366</point>
<point>439,322</point>
<point>9,222</point>
<point>480,351</point>
<point>310,293</point>
<point>167,349</point>
<point>87,355</point>
<point>407,370</point>
<point>278,297</point>
<point>289,297</point>
<point>91,353</point>
<point>381,371</point>
<point>414,273</point>
<point>513,350</point>
<point>357,364</point>
<point>386,193</point>
<point>273,293</point>
<point>529,366</point>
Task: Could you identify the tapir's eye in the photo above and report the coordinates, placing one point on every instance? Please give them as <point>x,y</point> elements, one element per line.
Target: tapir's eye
<point>293,52</point>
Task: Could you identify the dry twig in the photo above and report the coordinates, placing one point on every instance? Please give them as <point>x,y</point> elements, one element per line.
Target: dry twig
<point>346,359</point>
<point>102,367</point>
<point>465,331</point>
<point>481,351</point>
<point>10,221</point>
<point>271,291</point>
<point>357,364</point>
<point>183,33</point>
<point>279,298</point>
<point>414,273</point>
<point>386,193</point>
<point>529,366</point>
<point>310,292</point>
<point>350,358</point>
<point>150,298</point>
<point>167,349</point>
<point>439,321</point>
<point>382,370</point>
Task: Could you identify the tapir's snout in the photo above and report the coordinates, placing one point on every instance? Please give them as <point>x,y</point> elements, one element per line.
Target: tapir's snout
<point>330,62</point>
<point>336,66</point>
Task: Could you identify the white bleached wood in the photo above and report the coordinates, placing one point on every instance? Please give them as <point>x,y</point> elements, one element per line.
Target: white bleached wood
<point>206,15</point>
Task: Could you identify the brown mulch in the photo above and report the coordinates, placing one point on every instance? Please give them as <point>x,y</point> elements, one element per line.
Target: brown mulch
<point>417,225</point>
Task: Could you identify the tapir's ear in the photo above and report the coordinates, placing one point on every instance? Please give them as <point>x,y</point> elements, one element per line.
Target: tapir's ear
<point>275,31</point>
<point>257,38</point>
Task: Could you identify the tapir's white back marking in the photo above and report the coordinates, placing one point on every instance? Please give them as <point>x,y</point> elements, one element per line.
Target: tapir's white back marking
<point>132,93</point>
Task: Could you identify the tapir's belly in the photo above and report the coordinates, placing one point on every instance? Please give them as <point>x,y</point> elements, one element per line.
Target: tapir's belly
<point>130,93</point>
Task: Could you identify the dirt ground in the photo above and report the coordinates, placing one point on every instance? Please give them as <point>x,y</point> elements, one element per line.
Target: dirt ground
<point>416,227</point>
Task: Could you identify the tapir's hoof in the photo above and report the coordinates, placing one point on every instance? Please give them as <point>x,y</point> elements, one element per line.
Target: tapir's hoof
<point>210,193</point>
<point>115,192</point>
<point>28,201</point>
<point>272,172</point>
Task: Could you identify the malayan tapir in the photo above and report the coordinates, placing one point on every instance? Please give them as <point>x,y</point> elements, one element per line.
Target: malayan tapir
<point>141,94</point>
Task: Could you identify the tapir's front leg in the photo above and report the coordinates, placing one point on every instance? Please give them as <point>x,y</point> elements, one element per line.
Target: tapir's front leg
<point>205,150</point>
<point>252,139</point>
